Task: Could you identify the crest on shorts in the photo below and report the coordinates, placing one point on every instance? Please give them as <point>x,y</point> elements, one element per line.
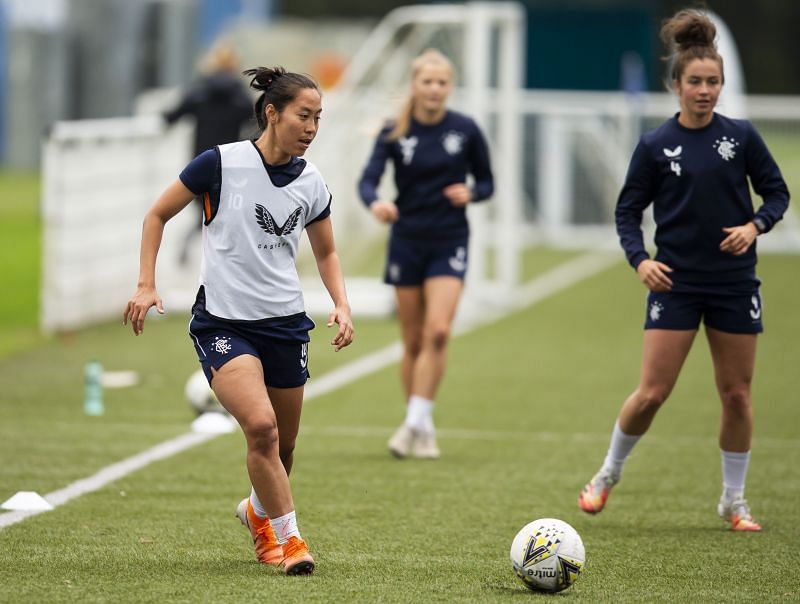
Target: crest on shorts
<point>459,262</point>
<point>394,272</point>
<point>656,308</point>
<point>267,222</point>
<point>221,345</point>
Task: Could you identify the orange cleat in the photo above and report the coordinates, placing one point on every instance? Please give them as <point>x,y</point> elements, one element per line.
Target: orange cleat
<point>594,495</point>
<point>737,512</point>
<point>296,559</point>
<point>268,550</point>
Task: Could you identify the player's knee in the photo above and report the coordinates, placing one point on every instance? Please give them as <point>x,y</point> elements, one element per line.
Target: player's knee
<point>651,399</point>
<point>437,335</point>
<point>262,434</point>
<point>413,346</point>
<point>286,452</point>
<point>737,400</point>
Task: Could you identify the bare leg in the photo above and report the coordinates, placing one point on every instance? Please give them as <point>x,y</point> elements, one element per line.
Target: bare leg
<point>411,314</point>
<point>441,300</point>
<point>663,355</point>
<point>734,360</point>
<point>734,357</point>
<point>239,386</point>
<point>288,403</point>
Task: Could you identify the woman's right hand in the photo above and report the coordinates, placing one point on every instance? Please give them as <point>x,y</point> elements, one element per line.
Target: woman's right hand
<point>137,307</point>
<point>384,211</point>
<point>654,275</point>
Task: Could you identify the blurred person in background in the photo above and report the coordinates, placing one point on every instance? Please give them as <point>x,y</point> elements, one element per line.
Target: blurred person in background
<point>694,169</point>
<point>220,106</point>
<point>433,151</point>
<point>249,327</point>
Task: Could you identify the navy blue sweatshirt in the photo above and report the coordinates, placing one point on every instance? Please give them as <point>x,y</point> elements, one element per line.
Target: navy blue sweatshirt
<point>426,160</point>
<point>697,180</point>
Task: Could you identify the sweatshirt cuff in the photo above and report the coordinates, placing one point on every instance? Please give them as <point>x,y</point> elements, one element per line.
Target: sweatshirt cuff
<point>637,259</point>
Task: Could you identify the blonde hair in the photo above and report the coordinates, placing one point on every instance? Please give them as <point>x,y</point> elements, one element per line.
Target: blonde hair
<point>221,57</point>
<point>402,122</point>
<point>690,34</point>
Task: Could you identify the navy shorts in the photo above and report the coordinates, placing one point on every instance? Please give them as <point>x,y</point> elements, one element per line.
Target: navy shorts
<point>412,261</point>
<point>282,348</point>
<point>739,313</point>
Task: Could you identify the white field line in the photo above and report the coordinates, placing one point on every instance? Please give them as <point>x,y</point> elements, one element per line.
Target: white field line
<point>111,473</point>
<point>551,282</point>
<point>659,440</point>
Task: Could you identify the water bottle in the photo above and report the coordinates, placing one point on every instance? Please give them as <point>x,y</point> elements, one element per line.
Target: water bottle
<point>93,401</point>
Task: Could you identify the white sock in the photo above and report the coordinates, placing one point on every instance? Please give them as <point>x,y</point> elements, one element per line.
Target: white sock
<point>734,472</point>
<point>285,527</point>
<point>256,503</point>
<point>419,414</point>
<point>618,451</point>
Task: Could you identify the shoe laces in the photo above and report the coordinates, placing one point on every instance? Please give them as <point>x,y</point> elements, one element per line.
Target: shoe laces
<point>602,481</point>
<point>294,547</point>
<point>739,508</point>
<point>265,530</point>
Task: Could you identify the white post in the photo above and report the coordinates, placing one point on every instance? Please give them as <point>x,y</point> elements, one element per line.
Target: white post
<point>507,161</point>
<point>477,53</point>
<point>555,195</point>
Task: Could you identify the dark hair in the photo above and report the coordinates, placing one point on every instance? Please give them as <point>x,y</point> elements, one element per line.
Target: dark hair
<point>280,87</point>
<point>689,35</point>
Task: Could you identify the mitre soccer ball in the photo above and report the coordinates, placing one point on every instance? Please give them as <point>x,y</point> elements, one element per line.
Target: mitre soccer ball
<point>548,555</point>
<point>200,396</point>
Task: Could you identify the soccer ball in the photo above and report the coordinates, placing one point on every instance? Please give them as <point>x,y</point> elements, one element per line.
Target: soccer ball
<point>548,555</point>
<point>200,396</point>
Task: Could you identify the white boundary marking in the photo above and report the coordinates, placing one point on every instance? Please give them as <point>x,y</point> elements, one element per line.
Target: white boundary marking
<point>111,473</point>
<point>547,284</point>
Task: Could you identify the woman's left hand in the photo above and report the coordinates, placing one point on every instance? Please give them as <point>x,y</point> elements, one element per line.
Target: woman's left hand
<point>459,194</point>
<point>739,238</point>
<point>344,337</point>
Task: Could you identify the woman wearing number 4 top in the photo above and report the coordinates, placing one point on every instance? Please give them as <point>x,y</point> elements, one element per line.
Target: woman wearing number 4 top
<point>695,169</point>
<point>432,150</point>
<point>248,324</point>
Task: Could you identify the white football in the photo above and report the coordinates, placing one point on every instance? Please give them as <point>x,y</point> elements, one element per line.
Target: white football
<point>548,555</point>
<point>200,396</point>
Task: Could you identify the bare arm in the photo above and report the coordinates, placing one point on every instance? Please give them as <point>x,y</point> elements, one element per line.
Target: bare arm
<point>320,235</point>
<point>173,200</point>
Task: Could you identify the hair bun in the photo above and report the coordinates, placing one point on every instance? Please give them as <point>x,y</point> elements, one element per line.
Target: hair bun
<point>689,28</point>
<point>263,77</point>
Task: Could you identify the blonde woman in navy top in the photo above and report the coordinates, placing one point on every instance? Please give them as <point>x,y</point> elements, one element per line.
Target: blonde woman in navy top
<point>433,151</point>
<point>696,170</point>
<point>249,326</point>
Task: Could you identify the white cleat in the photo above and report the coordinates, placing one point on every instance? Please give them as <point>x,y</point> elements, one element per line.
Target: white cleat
<point>401,441</point>
<point>425,447</point>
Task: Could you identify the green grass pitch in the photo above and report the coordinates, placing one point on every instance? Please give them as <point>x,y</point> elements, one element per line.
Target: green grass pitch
<point>524,415</point>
